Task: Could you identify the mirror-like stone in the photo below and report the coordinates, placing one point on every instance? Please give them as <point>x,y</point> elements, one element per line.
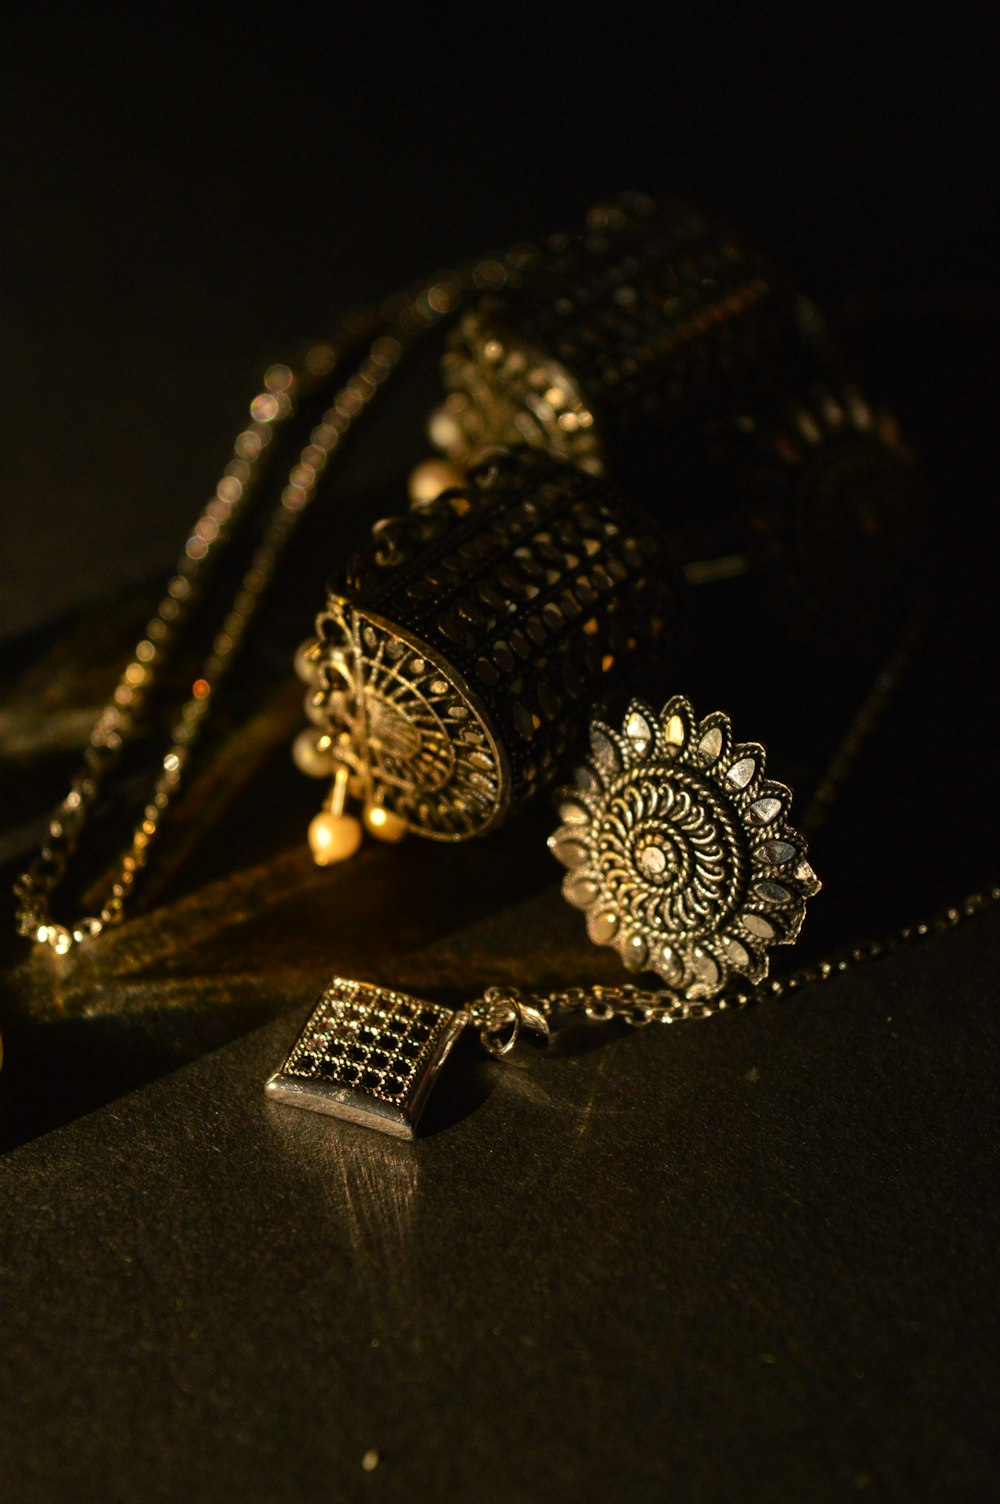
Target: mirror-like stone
<point>705,968</point>
<point>710,746</point>
<point>778,852</point>
<point>602,927</point>
<point>573,813</point>
<point>639,732</point>
<point>765,810</point>
<point>570,853</point>
<point>736,953</point>
<point>653,860</point>
<point>669,966</point>
<point>634,952</point>
<point>741,772</point>
<point>605,752</point>
<point>673,731</point>
<point>580,890</point>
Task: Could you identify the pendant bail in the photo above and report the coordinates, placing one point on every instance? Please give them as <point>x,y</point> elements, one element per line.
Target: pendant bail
<point>504,1017</point>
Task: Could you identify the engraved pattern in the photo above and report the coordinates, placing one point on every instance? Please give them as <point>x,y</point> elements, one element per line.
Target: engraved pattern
<point>369,1040</point>
<point>403,723</point>
<point>454,674</point>
<point>510,394</point>
<point>651,322</point>
<point>679,849</point>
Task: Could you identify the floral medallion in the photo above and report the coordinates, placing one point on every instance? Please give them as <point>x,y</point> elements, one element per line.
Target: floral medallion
<point>679,849</point>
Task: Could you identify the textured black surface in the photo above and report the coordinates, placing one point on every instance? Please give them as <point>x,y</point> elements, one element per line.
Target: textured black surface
<point>747,1260</point>
<point>750,1260</point>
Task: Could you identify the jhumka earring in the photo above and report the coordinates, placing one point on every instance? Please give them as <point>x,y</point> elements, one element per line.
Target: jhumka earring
<point>660,343</point>
<point>453,671</point>
<point>678,385</point>
<point>619,348</point>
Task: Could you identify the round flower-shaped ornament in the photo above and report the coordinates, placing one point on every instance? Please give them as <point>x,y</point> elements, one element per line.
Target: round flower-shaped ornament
<point>679,849</point>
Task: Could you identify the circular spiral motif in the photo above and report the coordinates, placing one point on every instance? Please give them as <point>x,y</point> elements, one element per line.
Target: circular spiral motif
<point>669,853</point>
<point>679,850</point>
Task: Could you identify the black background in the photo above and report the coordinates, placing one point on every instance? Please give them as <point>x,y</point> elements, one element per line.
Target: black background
<point>190,191</point>
<point>789,1293</point>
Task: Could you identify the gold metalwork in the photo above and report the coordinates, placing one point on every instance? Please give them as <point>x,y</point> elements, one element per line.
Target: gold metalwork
<point>410,729</point>
<point>369,1055</point>
<point>680,850</point>
<point>502,391</point>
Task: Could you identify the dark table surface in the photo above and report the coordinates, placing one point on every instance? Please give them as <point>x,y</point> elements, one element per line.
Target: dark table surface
<point>750,1260</point>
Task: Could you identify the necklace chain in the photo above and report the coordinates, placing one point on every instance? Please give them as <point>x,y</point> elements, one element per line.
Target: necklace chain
<point>638,1007</point>
<point>400,323</point>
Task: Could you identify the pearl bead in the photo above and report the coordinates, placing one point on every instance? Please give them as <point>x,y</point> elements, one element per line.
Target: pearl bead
<point>333,838</point>
<point>315,707</point>
<point>443,430</point>
<point>430,478</point>
<point>381,822</point>
<point>306,665</point>
<point>312,753</point>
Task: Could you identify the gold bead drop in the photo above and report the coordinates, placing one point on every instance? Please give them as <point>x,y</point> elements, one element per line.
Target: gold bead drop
<point>431,477</point>
<point>333,838</point>
<point>312,754</point>
<point>383,824</point>
<point>307,661</point>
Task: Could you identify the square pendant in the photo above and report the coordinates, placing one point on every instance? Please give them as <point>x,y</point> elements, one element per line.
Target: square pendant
<point>369,1055</point>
